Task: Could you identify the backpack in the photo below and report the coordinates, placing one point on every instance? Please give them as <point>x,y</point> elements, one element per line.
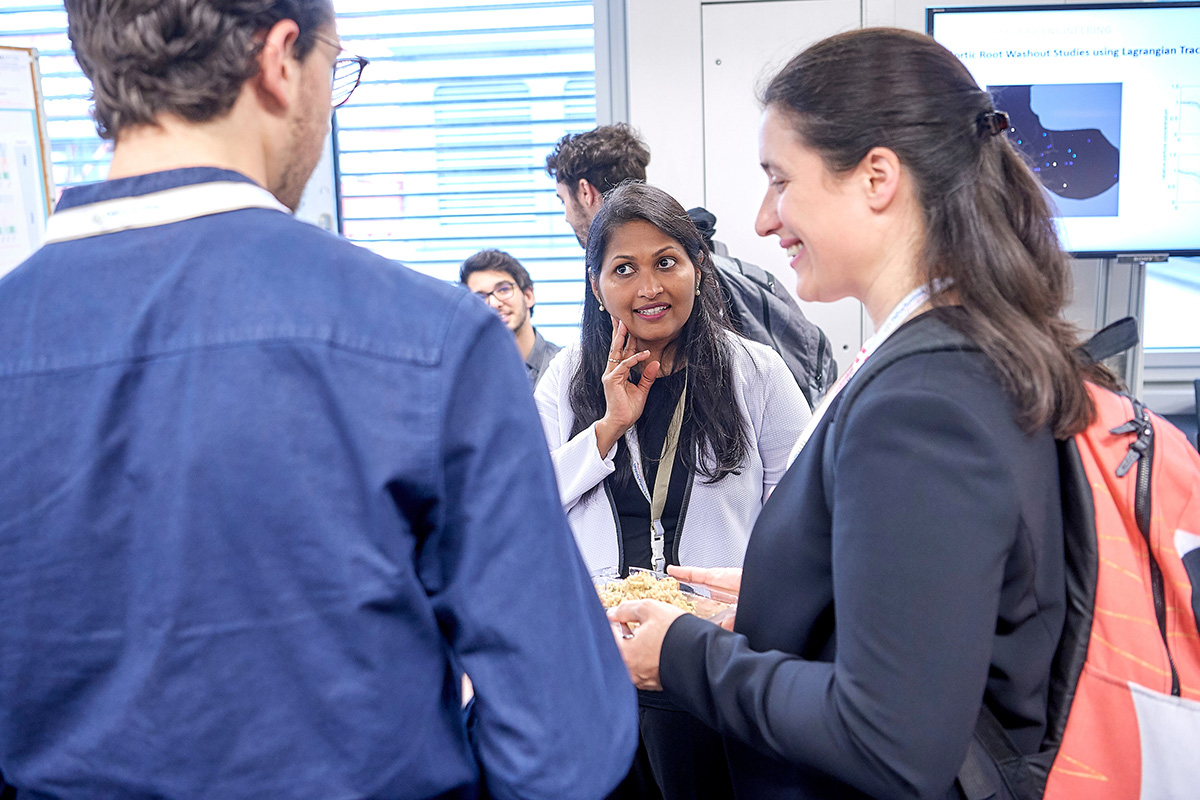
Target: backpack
<point>762,311</point>
<point>1123,717</point>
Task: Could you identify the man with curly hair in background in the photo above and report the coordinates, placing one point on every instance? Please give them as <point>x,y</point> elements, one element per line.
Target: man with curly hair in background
<point>268,496</point>
<point>586,166</point>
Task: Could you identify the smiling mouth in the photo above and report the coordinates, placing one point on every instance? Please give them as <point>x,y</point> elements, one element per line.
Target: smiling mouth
<point>656,310</point>
<point>795,250</point>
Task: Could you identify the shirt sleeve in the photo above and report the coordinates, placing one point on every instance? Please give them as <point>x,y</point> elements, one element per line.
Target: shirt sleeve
<point>555,712</point>
<point>577,462</point>
<point>924,515</point>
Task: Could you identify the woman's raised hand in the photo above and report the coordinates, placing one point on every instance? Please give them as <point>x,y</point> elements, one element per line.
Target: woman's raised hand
<point>624,400</point>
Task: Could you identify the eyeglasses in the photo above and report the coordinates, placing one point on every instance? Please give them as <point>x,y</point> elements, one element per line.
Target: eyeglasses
<point>503,291</point>
<point>347,72</point>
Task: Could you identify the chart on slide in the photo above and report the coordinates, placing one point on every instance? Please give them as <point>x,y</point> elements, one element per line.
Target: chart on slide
<point>1189,112</point>
<point>1187,143</point>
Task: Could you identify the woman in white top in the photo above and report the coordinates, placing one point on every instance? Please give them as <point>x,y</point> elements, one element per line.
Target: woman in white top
<point>667,430</point>
<point>655,317</point>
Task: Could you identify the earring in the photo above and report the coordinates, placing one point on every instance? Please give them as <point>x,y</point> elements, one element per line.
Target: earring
<point>697,290</point>
<point>600,304</point>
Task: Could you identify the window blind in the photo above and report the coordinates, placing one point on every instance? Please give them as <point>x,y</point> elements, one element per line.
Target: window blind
<point>443,147</point>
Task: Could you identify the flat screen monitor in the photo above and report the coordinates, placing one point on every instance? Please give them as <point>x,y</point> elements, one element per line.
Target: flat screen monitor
<point>1104,100</point>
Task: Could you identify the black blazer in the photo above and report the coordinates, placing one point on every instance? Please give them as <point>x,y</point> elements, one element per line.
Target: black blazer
<point>875,613</point>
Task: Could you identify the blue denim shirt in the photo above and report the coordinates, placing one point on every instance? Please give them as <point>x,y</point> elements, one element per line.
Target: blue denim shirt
<point>263,495</point>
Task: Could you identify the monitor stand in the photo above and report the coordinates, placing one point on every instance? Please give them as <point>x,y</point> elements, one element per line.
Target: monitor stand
<point>1122,293</point>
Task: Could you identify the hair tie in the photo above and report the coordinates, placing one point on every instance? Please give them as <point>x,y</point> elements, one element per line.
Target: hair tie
<point>991,123</point>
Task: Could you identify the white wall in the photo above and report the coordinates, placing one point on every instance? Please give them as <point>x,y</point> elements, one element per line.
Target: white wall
<point>666,91</point>
<point>743,45</point>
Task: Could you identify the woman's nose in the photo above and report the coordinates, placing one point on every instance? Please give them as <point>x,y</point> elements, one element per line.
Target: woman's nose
<point>767,221</point>
<point>650,285</point>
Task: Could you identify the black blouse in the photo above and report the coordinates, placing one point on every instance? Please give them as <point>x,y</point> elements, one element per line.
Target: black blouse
<point>633,509</point>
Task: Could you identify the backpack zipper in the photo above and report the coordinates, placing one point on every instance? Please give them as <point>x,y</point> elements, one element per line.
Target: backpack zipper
<point>820,382</point>
<point>1141,450</point>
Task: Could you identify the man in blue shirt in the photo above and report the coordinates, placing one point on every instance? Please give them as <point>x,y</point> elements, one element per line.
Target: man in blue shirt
<point>267,496</point>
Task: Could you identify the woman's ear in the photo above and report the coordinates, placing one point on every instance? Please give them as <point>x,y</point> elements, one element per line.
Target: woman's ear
<point>880,173</point>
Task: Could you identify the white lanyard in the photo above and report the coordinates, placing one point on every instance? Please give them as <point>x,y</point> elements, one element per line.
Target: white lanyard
<point>157,208</point>
<point>662,480</point>
<point>903,310</point>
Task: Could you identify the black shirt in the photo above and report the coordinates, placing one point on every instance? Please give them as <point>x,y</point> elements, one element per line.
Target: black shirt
<point>633,509</point>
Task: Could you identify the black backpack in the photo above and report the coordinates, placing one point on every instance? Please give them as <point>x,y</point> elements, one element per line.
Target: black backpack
<point>762,311</point>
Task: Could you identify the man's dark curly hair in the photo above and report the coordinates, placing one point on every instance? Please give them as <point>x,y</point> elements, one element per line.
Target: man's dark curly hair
<point>606,157</point>
<point>183,57</point>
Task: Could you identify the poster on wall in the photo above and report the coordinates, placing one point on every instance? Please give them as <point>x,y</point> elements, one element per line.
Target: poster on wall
<point>25,183</point>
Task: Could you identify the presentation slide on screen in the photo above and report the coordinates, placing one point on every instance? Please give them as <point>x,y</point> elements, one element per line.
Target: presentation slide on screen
<point>1105,103</point>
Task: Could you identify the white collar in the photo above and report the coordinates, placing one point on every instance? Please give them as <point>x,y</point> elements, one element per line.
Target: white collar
<point>157,208</point>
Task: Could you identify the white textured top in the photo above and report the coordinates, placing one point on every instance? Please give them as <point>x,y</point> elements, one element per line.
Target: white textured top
<point>719,516</point>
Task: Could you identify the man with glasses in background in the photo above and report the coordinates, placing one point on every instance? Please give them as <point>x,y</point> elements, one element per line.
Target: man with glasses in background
<point>268,496</point>
<point>504,284</point>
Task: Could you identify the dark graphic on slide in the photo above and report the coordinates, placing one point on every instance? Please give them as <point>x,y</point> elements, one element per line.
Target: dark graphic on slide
<point>1071,135</point>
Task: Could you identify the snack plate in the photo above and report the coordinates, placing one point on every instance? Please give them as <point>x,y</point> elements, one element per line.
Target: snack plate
<point>710,603</point>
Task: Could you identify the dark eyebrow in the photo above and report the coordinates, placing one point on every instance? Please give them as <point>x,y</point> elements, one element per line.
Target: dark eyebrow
<point>621,256</point>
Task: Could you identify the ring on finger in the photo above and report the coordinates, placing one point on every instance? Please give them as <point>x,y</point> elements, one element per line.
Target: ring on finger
<point>614,360</point>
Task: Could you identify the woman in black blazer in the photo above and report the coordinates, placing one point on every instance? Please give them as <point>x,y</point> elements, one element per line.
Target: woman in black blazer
<point>909,566</point>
